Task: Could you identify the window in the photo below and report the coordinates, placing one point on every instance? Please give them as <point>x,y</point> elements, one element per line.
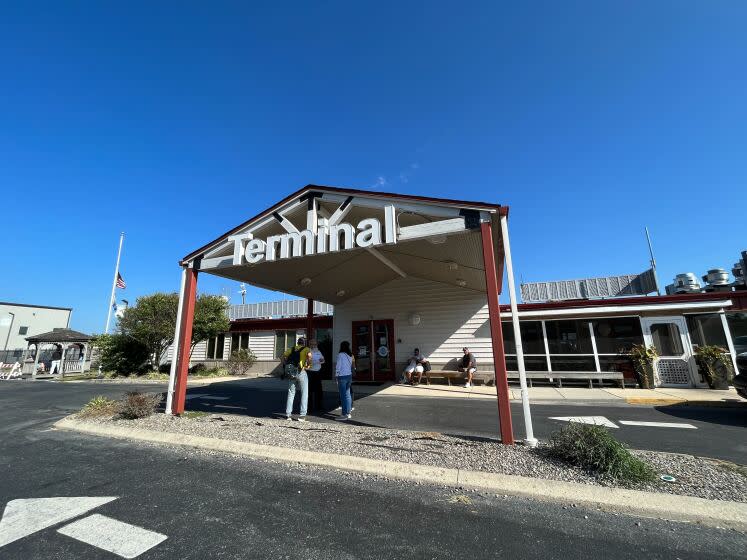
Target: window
<point>623,364</point>
<point>573,363</point>
<point>23,330</point>
<point>568,337</point>
<point>215,347</point>
<point>531,363</point>
<point>617,335</point>
<point>239,341</point>
<point>667,339</point>
<point>532,339</point>
<point>570,346</point>
<point>738,327</point>
<point>706,329</point>
<point>284,340</point>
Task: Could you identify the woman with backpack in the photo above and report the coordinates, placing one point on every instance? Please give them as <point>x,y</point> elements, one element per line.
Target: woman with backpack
<point>344,375</point>
<point>294,370</point>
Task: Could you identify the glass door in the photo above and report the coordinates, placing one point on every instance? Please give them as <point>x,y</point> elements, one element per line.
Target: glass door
<point>361,347</point>
<point>373,348</point>
<point>383,331</point>
<point>674,366</point>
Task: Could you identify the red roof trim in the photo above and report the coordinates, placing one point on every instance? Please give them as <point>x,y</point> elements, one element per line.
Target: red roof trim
<point>248,325</point>
<point>271,209</point>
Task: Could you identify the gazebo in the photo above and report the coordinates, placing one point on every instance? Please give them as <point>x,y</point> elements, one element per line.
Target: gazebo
<point>72,347</point>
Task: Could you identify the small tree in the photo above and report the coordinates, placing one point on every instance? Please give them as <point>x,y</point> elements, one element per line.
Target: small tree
<point>211,318</point>
<point>152,321</point>
<point>122,354</point>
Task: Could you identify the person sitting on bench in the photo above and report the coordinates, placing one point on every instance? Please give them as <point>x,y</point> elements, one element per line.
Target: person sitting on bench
<point>416,364</point>
<point>468,365</point>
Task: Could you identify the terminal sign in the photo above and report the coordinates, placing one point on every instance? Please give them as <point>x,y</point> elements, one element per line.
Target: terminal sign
<point>326,239</point>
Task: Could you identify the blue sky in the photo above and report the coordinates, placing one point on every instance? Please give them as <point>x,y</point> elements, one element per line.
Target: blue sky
<point>174,121</point>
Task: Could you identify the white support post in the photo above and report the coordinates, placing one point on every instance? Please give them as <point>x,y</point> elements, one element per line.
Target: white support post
<point>594,346</point>
<point>36,360</point>
<point>311,215</point>
<point>729,341</point>
<point>530,439</point>
<point>175,345</point>
<point>62,362</point>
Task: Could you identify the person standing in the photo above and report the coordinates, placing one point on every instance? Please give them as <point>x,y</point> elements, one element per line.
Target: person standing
<point>313,370</point>
<point>294,363</point>
<point>468,365</point>
<point>55,365</point>
<point>344,376</point>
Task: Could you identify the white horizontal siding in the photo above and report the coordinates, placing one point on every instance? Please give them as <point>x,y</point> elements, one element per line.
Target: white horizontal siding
<point>450,318</point>
<point>262,344</point>
<point>200,351</point>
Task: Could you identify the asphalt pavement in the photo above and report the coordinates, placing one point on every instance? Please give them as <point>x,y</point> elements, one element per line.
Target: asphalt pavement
<point>707,431</point>
<point>219,506</point>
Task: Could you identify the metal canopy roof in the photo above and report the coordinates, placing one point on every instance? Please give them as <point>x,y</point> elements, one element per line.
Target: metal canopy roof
<point>454,258</point>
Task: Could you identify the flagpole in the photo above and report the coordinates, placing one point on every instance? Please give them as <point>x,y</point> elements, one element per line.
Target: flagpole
<point>114,284</point>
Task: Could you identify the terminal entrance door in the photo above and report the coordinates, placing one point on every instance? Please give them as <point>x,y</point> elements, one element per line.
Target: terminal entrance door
<point>373,349</point>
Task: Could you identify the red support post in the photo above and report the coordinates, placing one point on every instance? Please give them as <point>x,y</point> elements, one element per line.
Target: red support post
<point>185,342</point>
<point>309,320</point>
<point>496,333</point>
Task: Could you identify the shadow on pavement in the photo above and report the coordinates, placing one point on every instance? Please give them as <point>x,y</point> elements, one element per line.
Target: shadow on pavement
<point>264,397</point>
<point>735,415</point>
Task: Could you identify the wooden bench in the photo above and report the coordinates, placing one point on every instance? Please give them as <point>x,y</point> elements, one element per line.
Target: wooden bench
<point>488,377</point>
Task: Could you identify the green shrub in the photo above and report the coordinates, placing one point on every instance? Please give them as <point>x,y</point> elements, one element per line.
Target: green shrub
<point>240,361</point>
<point>122,354</point>
<point>197,368</point>
<point>139,405</point>
<point>99,406</point>
<point>595,449</point>
<point>714,364</point>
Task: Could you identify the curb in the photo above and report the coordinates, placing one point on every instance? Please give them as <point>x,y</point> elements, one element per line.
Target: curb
<point>685,402</point>
<point>633,502</point>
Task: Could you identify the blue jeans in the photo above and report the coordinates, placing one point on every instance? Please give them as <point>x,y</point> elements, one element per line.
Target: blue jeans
<point>346,400</point>
<point>303,383</point>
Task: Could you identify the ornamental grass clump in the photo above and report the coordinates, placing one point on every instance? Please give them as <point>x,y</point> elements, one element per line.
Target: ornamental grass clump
<point>138,405</point>
<point>594,448</point>
<point>99,406</point>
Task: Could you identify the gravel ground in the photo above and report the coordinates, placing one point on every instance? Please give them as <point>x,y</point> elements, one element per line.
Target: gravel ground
<point>695,476</point>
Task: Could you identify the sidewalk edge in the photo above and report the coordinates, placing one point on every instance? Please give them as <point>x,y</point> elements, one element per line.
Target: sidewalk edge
<point>712,513</point>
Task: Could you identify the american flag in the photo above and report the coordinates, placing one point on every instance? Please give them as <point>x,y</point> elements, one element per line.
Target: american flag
<point>120,281</point>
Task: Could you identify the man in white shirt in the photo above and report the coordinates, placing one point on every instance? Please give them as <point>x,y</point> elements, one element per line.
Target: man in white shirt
<point>416,364</point>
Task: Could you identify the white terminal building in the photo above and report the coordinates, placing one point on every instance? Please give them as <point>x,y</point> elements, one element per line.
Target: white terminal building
<point>390,272</point>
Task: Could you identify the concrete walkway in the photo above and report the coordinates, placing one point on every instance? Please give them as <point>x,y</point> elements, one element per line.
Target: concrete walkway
<point>612,395</point>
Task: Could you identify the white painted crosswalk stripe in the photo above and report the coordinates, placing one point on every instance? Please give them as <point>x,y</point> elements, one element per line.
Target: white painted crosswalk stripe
<point>658,424</point>
<point>122,539</point>
<point>596,420</point>
<point>25,517</point>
